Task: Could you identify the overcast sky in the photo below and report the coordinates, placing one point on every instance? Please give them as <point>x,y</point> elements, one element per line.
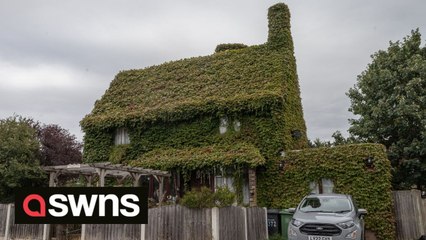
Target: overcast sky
<point>58,57</point>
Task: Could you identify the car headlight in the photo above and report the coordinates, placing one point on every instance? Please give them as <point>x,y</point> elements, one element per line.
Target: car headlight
<point>352,235</point>
<point>346,225</point>
<point>296,222</point>
<point>292,232</point>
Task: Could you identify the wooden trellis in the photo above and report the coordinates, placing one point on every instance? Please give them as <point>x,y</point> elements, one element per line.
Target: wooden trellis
<point>102,170</point>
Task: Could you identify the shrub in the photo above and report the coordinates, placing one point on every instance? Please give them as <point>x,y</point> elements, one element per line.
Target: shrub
<point>224,197</point>
<point>206,198</point>
<point>276,237</point>
<point>198,198</point>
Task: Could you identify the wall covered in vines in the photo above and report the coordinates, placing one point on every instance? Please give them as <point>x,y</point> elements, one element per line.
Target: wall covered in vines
<point>345,166</point>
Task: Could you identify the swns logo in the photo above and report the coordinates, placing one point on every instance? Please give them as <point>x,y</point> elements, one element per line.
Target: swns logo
<point>68,205</point>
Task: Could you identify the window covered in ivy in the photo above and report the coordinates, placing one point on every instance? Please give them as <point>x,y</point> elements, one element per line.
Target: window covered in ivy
<point>121,137</point>
<point>223,126</point>
<point>222,181</point>
<point>322,186</point>
<point>237,125</point>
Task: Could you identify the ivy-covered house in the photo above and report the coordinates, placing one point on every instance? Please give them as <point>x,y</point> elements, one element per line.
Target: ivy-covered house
<point>233,118</point>
<point>205,118</point>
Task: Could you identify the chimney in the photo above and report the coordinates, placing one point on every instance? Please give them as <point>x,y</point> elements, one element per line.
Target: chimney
<point>279,27</point>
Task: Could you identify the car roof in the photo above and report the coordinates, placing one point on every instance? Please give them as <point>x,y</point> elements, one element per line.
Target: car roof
<point>335,195</point>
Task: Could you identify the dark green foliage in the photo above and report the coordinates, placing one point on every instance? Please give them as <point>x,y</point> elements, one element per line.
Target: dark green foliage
<point>279,27</point>
<point>253,79</point>
<point>98,144</point>
<point>191,159</point>
<point>198,198</point>
<point>371,188</point>
<point>338,139</point>
<point>205,198</point>
<point>118,153</point>
<point>229,46</point>
<point>19,157</point>
<point>223,197</point>
<point>276,237</point>
<point>390,99</point>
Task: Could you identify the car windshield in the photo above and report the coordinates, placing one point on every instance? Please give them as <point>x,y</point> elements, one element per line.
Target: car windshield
<point>326,204</point>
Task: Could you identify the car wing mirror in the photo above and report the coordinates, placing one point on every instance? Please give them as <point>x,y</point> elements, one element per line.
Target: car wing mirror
<point>362,212</point>
<point>292,210</point>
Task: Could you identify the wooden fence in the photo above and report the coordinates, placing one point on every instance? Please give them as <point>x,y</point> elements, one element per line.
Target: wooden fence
<point>10,230</point>
<point>410,214</point>
<point>172,222</point>
<point>3,218</point>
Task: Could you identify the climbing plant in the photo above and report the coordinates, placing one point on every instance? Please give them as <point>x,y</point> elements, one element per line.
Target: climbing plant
<point>346,167</point>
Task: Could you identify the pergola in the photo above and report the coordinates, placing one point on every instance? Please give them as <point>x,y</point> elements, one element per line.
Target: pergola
<point>91,171</point>
<point>104,169</point>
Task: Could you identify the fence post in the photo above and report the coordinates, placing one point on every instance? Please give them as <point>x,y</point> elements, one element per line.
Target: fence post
<point>83,232</point>
<point>245,223</point>
<point>46,231</point>
<point>266,221</point>
<point>215,223</point>
<point>416,196</point>
<point>6,234</point>
<point>143,231</point>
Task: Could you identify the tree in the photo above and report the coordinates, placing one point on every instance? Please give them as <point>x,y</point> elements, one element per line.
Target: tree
<point>59,147</point>
<point>338,139</point>
<point>390,99</point>
<point>19,157</point>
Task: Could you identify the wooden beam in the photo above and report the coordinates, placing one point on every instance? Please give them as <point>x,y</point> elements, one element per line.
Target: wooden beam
<point>53,178</point>
<point>161,190</point>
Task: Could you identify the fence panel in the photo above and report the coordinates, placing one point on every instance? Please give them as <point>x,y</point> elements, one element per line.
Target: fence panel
<point>3,218</point>
<point>256,224</point>
<point>165,223</point>
<point>113,231</point>
<point>410,214</point>
<point>24,231</point>
<point>231,223</point>
<point>197,224</point>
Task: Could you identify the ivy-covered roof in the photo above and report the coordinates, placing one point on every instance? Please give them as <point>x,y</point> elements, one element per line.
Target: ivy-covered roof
<point>241,154</point>
<point>233,80</point>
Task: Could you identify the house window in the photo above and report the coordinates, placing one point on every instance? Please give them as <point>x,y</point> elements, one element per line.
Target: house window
<point>314,187</point>
<point>246,193</point>
<point>223,126</point>
<point>222,181</point>
<point>121,136</point>
<point>327,186</point>
<point>237,125</point>
<point>323,186</point>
